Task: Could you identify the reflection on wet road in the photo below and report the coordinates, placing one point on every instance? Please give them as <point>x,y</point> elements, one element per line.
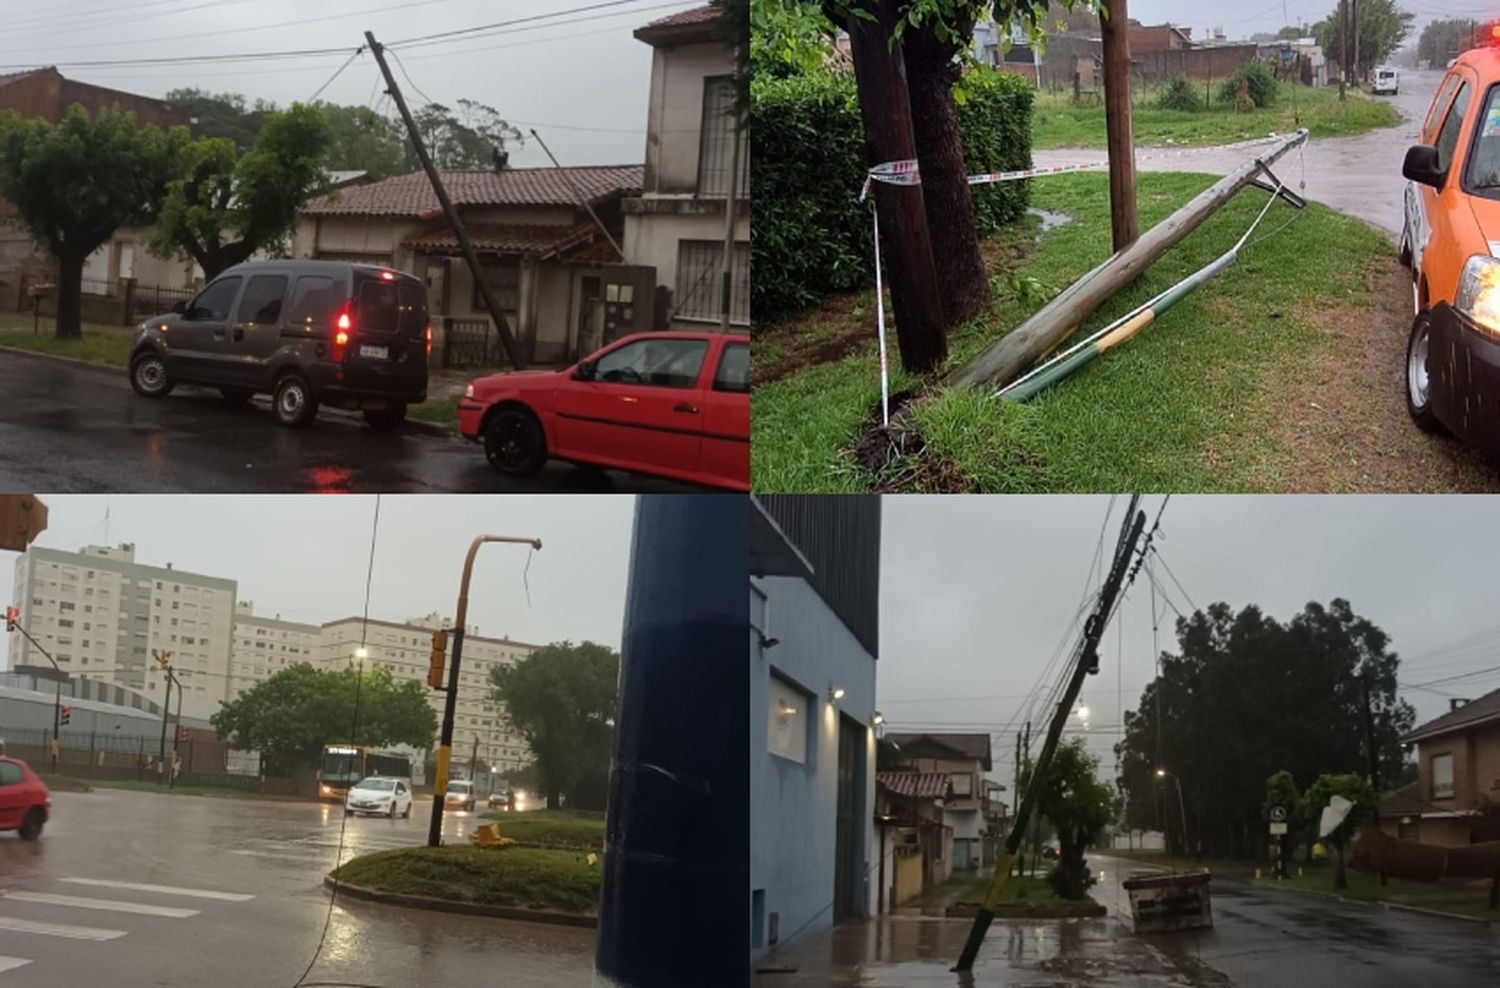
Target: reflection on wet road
<point>130,888</point>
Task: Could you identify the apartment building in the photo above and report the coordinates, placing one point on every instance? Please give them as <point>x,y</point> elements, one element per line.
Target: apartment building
<point>479,728</point>
<point>100,614</point>
<point>263,646</point>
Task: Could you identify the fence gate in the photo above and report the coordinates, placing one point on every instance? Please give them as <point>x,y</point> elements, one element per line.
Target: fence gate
<point>470,343</point>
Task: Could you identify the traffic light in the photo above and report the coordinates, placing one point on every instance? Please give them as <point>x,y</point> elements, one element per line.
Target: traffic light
<point>12,615</point>
<point>439,656</point>
<point>67,712</point>
<point>22,519</point>
<point>163,657</point>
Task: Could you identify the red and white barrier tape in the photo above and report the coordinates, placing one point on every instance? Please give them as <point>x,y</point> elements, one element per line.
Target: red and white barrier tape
<point>904,172</point>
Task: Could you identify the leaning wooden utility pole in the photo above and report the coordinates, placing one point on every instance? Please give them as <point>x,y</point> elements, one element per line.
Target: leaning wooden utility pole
<point>1057,320</point>
<point>459,233</point>
<point>1085,660</point>
<point>1343,47</point>
<point>880,75</point>
<point>1354,31</point>
<point>1117,119</point>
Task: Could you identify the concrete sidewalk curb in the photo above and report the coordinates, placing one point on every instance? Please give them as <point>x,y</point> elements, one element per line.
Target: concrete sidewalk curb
<point>1381,904</point>
<point>337,415</point>
<point>468,908</point>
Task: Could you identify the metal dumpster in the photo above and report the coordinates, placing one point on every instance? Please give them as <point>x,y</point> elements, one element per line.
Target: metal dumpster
<point>1162,903</point>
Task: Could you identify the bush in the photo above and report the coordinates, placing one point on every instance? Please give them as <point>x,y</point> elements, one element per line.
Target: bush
<point>1259,81</point>
<point>1179,94</point>
<point>812,236</point>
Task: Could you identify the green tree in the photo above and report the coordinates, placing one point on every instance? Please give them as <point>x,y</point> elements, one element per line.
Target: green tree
<point>1247,695</point>
<point>561,699</point>
<point>1382,28</point>
<point>1353,787</point>
<point>468,138</point>
<point>1078,806</point>
<point>1443,39</point>
<point>222,209</point>
<point>75,182</point>
<point>359,139</point>
<point>1281,790</point>
<point>289,717</point>
<point>227,115</point>
<point>788,37</point>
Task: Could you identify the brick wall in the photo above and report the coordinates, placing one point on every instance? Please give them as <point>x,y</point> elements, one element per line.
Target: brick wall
<point>1200,64</point>
<point>46,95</point>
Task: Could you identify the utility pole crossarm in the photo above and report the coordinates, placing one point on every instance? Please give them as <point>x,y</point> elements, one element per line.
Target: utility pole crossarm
<point>459,232</point>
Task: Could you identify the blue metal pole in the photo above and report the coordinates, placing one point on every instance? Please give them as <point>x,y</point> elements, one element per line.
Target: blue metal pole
<point>675,907</point>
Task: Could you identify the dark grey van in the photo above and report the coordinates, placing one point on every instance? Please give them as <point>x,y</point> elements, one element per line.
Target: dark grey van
<point>304,332</point>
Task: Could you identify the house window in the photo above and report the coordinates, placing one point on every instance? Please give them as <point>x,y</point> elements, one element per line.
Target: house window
<point>787,724</point>
<point>700,271</point>
<point>503,275</point>
<point>963,785</point>
<point>1442,776</point>
<point>716,147</point>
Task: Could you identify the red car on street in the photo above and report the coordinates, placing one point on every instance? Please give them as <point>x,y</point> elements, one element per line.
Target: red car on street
<point>673,404</point>
<point>24,801</point>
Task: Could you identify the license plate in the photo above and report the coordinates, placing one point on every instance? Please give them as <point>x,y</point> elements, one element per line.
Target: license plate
<point>375,352</point>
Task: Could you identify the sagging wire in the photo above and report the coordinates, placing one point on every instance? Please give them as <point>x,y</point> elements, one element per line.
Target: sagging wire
<point>338,861</point>
<point>337,72</point>
<point>524,574</point>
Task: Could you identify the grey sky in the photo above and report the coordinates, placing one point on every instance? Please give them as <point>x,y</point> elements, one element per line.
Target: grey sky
<point>976,592</point>
<point>305,557</point>
<point>1240,20</point>
<point>589,74</point>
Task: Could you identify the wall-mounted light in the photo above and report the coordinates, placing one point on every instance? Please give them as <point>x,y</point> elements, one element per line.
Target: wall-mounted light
<point>835,692</point>
<point>877,719</point>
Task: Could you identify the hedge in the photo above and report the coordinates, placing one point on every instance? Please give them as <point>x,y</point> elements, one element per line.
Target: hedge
<point>812,236</point>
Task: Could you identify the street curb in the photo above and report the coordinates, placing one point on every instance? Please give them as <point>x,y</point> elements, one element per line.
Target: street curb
<point>1012,910</point>
<point>339,415</point>
<point>1381,904</point>
<point>468,908</point>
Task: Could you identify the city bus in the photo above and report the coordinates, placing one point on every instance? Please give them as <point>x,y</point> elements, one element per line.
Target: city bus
<point>343,765</point>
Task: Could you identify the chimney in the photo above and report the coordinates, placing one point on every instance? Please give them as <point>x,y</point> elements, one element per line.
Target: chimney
<point>1455,703</point>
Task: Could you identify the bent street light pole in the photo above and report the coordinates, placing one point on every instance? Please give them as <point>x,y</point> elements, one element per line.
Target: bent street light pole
<point>1086,660</point>
<point>459,232</point>
<point>672,909</point>
<point>450,701</point>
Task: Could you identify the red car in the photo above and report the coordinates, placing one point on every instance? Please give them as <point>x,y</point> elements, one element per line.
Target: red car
<point>673,404</point>
<point>24,802</point>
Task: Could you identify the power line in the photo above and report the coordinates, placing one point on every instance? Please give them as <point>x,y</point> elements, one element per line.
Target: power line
<point>429,39</point>
<point>1175,581</point>
<point>338,72</point>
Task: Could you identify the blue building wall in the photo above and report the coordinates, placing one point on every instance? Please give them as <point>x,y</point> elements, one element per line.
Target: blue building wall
<point>793,806</point>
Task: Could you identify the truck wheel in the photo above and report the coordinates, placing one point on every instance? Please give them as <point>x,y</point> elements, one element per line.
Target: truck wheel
<point>1418,381</point>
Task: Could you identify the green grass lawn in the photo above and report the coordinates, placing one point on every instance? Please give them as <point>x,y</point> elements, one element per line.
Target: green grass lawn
<point>520,877</point>
<point>1056,122</point>
<point>443,411</point>
<point>63,783</point>
<point>1466,900</point>
<point>1018,888</point>
<point>1189,404</point>
<point>100,344</point>
<point>553,828</point>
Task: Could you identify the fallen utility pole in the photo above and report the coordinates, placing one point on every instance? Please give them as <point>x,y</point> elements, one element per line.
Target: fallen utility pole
<point>459,232</point>
<point>1085,660</point>
<point>1057,320</point>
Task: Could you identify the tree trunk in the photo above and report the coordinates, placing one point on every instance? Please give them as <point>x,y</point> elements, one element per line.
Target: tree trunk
<point>930,75</point>
<point>1340,880</point>
<point>553,800</point>
<point>70,298</point>
<point>885,106</point>
<point>215,261</point>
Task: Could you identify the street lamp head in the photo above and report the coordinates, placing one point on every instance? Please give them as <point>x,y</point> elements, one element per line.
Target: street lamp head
<point>360,652</point>
<point>1161,773</point>
<point>1083,712</point>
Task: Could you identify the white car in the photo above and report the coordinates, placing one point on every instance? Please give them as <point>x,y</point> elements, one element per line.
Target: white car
<point>387,797</point>
<point>1386,81</point>
<point>460,793</point>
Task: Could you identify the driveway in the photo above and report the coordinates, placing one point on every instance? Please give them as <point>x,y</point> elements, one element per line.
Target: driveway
<point>1359,176</point>
<point>135,889</point>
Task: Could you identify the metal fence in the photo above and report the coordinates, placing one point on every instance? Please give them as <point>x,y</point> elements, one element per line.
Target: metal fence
<point>470,343</point>
<point>202,761</point>
<point>152,300</point>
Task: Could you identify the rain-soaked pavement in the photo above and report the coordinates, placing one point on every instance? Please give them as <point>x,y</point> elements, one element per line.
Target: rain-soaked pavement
<point>1259,937</point>
<point>71,429</point>
<point>129,889</point>
<point>1359,176</point>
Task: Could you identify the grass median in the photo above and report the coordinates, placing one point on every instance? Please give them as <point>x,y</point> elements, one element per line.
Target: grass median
<point>1024,895</point>
<point>1193,403</point>
<point>1463,899</point>
<point>514,877</point>
<point>562,829</point>
<point>1057,123</point>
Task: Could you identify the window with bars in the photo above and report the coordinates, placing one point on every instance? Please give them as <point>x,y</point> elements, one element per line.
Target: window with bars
<point>699,277</point>
<point>716,142</point>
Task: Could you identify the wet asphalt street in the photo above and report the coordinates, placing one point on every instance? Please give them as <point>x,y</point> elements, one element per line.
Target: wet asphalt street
<point>238,903</point>
<point>71,429</point>
<point>1259,937</point>
<point>1359,176</point>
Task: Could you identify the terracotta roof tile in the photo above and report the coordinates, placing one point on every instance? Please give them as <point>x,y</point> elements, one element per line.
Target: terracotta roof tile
<point>1486,708</point>
<point>412,195</point>
<point>705,14</point>
<point>512,238</point>
<point>921,785</point>
<point>683,27</point>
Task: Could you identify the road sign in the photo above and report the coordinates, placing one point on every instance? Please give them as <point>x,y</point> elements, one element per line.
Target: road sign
<point>1278,828</point>
<point>1278,815</point>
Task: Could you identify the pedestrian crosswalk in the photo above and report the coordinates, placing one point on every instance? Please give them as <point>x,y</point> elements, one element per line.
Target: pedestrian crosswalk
<point>19,923</point>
